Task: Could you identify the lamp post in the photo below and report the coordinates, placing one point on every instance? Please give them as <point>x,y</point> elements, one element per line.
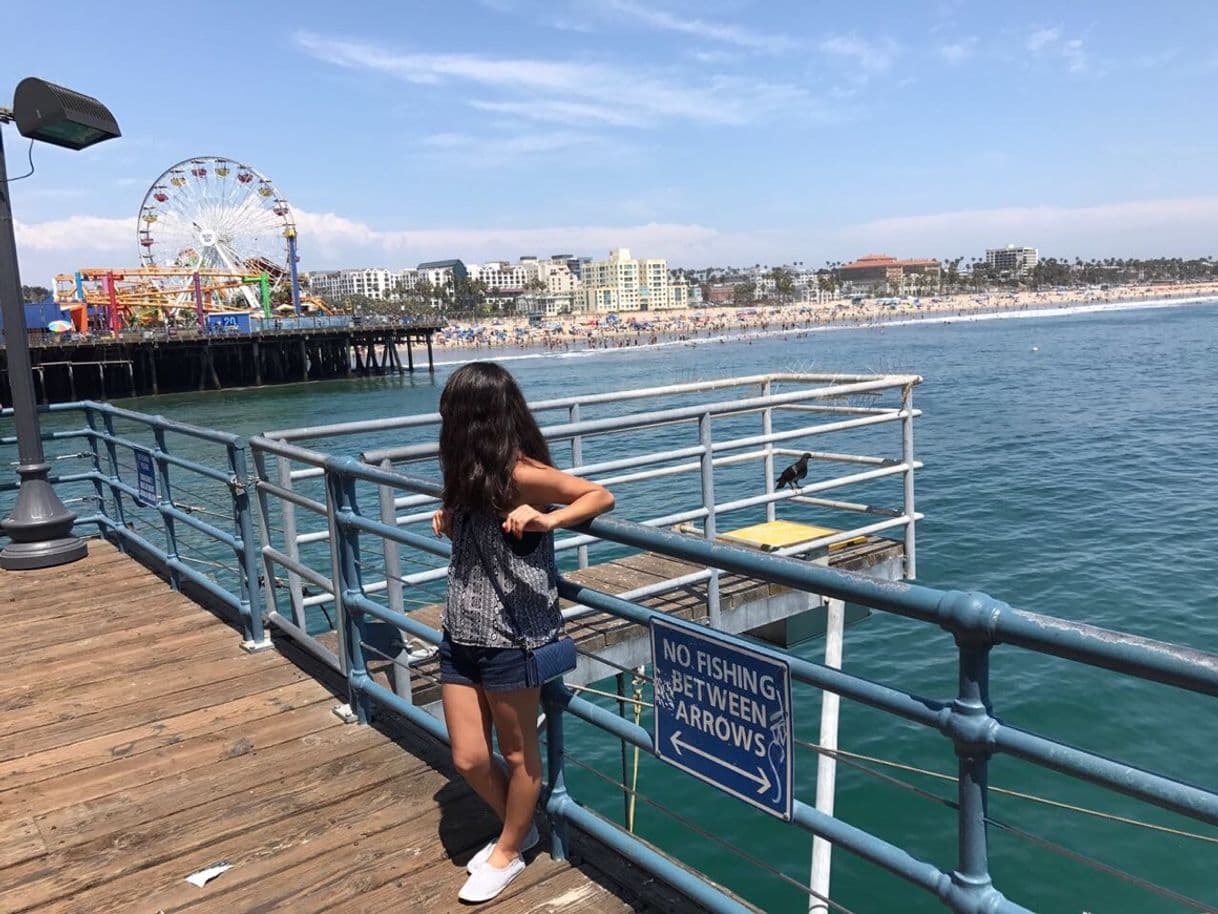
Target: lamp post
<point>40,527</point>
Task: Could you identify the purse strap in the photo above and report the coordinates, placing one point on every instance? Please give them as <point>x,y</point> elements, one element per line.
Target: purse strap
<point>486,567</point>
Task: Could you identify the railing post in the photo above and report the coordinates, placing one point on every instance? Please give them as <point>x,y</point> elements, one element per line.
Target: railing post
<point>255,637</point>
<point>556,793</point>
<point>97,481</point>
<point>120,514</point>
<point>826,762</point>
<point>972,706</point>
<point>393,585</point>
<point>621,711</point>
<point>577,460</point>
<point>269,595</point>
<point>344,557</point>
<point>708,502</point>
<point>907,453</point>
<point>767,429</point>
<point>290,546</point>
<point>166,499</point>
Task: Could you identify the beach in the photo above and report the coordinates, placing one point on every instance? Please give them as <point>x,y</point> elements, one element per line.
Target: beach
<point>574,332</point>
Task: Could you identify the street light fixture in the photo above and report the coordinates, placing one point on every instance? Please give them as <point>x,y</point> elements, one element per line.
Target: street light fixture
<point>40,527</point>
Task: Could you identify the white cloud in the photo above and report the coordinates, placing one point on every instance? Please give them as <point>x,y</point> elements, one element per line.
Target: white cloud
<point>562,112</point>
<point>714,31</point>
<point>1042,38</point>
<point>1177,226</point>
<point>553,85</point>
<point>499,147</point>
<point>871,56</point>
<point>1165,227</point>
<point>958,51</point>
<point>1051,42</point>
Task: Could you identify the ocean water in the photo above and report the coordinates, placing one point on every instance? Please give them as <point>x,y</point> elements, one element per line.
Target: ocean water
<point>1069,466</point>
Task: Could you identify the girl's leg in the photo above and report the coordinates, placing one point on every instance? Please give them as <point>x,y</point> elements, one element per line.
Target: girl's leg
<point>468,718</point>
<point>515,716</point>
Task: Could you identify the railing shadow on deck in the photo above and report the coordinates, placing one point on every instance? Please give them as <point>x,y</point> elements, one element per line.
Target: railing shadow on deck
<point>978,624</point>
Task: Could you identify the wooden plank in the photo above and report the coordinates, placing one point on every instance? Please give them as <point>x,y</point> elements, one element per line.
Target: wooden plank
<point>130,808</point>
<point>425,847</point>
<point>64,872</point>
<point>49,734</point>
<point>129,692</point>
<point>431,889</point>
<point>111,597</point>
<point>566,890</point>
<point>74,671</point>
<point>145,633</point>
<point>170,761</point>
<point>20,840</point>
<point>22,591</point>
<point>660,565</point>
<point>57,629</point>
<point>63,760</point>
<point>265,859</point>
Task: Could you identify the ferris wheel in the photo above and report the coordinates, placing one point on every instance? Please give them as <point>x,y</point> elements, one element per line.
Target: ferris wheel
<point>212,214</point>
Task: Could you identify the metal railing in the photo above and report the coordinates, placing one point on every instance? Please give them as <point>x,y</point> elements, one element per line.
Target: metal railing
<point>198,495</point>
<point>791,409</point>
<point>247,576</point>
<point>977,622</point>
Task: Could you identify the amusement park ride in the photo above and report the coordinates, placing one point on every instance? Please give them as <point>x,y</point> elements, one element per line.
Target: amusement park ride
<point>215,237</point>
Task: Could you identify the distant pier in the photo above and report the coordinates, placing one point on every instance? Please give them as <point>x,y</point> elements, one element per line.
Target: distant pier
<point>149,362</point>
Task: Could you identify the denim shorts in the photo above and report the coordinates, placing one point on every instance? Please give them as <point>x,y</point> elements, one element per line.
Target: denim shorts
<point>495,669</point>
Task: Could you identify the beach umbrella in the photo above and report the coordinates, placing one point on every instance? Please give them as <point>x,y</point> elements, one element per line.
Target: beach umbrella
<point>59,326</point>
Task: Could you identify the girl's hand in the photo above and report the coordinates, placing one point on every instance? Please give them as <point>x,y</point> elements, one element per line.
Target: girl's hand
<point>439,523</point>
<point>528,519</point>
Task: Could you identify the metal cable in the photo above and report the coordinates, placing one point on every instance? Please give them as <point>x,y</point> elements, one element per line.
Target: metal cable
<point>1091,862</point>
<point>611,663</point>
<point>434,677</point>
<point>697,829</point>
<point>635,701</point>
<point>1011,793</point>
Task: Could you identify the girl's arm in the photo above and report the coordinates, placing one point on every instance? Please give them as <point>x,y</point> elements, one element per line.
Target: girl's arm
<point>539,484</point>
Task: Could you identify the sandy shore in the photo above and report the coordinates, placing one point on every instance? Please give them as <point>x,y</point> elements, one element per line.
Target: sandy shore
<point>575,332</point>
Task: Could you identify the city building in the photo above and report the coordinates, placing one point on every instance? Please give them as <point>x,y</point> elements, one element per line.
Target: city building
<point>1012,262</point>
<point>442,272</point>
<point>336,285</point>
<point>880,273</point>
<point>623,283</point>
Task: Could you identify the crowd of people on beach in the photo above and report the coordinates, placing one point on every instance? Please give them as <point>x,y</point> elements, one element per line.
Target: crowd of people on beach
<point>569,332</point>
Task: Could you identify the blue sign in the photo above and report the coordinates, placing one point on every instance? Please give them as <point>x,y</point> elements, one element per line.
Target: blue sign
<point>723,713</point>
<point>230,322</point>
<point>145,479</point>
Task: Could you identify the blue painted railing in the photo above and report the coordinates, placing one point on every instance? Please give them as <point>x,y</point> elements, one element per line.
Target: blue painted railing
<point>977,622</point>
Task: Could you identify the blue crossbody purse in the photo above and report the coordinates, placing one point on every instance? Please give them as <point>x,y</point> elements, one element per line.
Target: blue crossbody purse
<point>550,661</point>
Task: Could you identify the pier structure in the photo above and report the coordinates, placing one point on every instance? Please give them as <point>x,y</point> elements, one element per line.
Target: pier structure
<point>73,367</point>
<point>319,553</point>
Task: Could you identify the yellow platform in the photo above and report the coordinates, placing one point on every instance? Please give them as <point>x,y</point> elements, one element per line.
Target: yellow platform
<point>779,534</point>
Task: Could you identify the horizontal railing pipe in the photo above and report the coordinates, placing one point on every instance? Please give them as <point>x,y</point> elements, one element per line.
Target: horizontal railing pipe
<point>656,418</point>
<point>1166,793</point>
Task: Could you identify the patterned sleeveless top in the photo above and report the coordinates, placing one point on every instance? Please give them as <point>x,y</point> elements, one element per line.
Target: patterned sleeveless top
<point>525,571</point>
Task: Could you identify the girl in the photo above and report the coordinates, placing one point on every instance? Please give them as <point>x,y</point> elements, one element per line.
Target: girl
<point>498,488</point>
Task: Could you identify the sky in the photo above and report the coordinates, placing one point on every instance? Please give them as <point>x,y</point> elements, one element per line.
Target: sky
<point>709,132</point>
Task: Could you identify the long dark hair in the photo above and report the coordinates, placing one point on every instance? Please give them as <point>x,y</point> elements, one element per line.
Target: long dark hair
<point>485,428</point>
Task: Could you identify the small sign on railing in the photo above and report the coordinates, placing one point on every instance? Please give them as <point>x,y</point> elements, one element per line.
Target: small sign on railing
<point>722,713</point>
<point>145,479</point>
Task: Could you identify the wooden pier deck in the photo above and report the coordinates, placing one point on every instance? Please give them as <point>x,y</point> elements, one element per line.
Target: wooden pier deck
<point>139,744</point>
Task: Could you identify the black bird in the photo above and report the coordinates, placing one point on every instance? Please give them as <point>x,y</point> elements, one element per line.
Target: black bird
<point>792,475</point>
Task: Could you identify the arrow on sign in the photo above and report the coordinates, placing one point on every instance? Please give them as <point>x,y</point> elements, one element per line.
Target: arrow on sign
<point>760,778</point>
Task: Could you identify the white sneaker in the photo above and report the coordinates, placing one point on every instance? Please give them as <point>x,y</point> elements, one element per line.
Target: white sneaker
<point>487,881</point>
<point>529,842</point>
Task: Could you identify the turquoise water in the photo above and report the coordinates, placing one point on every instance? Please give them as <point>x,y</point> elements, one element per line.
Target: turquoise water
<point>1068,470</point>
